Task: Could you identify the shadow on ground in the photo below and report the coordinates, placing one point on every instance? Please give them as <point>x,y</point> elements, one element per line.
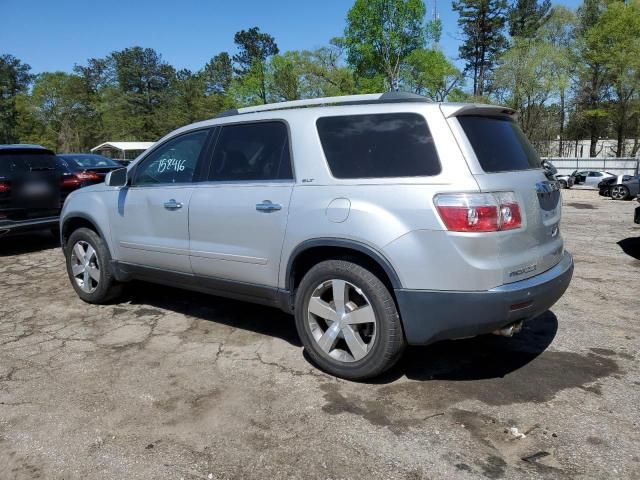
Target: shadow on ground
<point>482,357</point>
<point>247,316</point>
<point>27,243</point>
<point>631,246</point>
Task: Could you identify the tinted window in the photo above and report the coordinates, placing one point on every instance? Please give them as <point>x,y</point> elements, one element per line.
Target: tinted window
<point>173,162</point>
<point>27,161</point>
<point>499,144</point>
<point>252,151</point>
<point>89,161</point>
<point>378,146</point>
<point>595,174</point>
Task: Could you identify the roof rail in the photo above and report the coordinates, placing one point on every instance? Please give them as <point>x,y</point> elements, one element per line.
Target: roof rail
<point>369,98</point>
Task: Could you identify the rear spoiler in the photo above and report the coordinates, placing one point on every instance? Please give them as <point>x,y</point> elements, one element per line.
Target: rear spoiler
<point>456,110</point>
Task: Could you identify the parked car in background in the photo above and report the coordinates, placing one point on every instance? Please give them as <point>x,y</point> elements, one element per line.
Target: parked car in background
<point>622,187</point>
<point>591,178</point>
<point>636,215</point>
<point>83,169</point>
<point>377,220</point>
<point>31,191</point>
<point>565,181</point>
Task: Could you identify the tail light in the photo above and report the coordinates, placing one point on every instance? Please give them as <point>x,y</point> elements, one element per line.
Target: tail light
<point>75,180</point>
<point>87,176</point>
<point>5,187</point>
<point>479,212</point>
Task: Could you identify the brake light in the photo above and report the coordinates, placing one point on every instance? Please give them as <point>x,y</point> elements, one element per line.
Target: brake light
<point>5,187</point>
<point>479,212</point>
<point>70,181</point>
<point>87,176</point>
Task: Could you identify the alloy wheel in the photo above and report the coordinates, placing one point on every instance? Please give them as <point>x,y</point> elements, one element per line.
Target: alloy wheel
<point>342,320</point>
<point>85,266</point>
<point>618,192</point>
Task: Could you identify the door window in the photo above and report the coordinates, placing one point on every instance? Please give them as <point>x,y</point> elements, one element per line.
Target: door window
<point>595,174</point>
<point>252,151</point>
<point>173,162</point>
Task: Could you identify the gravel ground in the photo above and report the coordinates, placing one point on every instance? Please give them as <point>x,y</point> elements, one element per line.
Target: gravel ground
<point>177,385</point>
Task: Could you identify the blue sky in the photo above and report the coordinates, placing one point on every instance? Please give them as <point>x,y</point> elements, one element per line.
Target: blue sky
<point>54,35</point>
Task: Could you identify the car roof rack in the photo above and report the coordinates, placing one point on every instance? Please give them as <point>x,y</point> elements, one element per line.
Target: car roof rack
<point>369,98</point>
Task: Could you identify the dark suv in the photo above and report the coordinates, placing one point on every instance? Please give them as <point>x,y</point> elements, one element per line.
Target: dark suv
<point>31,191</point>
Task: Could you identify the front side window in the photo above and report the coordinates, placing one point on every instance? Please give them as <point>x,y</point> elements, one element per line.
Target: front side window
<point>173,162</point>
<point>595,174</point>
<point>499,144</point>
<point>378,146</point>
<point>252,152</point>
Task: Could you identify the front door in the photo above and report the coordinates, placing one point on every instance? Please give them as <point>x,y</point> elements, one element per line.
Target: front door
<point>238,218</point>
<point>150,225</point>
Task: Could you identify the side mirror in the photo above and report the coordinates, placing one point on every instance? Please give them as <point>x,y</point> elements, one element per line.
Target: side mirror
<point>116,178</point>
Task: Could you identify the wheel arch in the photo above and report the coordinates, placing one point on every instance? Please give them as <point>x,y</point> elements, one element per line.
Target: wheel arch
<point>310,252</point>
<point>79,220</point>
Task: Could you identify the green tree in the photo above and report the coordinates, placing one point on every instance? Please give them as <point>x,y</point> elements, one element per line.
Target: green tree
<point>287,76</point>
<point>254,49</point>
<point>380,35</point>
<point>591,88</point>
<point>527,16</point>
<point>614,43</point>
<point>482,23</point>
<point>429,73</point>
<point>55,114</point>
<point>559,32</point>
<point>137,93</point>
<point>14,80</point>
<point>218,73</point>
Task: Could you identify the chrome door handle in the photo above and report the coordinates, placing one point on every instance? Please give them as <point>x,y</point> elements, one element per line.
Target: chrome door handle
<point>172,205</point>
<point>267,206</point>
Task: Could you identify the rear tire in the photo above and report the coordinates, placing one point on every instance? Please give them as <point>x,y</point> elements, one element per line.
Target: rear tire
<point>357,338</point>
<point>619,192</point>
<point>89,267</point>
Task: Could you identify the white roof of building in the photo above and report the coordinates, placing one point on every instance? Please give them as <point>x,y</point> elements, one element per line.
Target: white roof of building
<point>124,146</point>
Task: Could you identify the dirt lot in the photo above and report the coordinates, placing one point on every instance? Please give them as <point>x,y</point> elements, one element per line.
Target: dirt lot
<point>169,384</point>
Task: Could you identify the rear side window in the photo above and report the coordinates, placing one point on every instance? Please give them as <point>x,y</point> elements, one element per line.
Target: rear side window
<point>378,146</point>
<point>252,152</point>
<point>499,144</point>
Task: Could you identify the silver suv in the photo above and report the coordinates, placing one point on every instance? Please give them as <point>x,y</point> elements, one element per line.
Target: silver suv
<point>377,220</point>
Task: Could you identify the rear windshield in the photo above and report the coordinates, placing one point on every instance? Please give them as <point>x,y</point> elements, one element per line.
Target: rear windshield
<point>23,162</point>
<point>499,144</point>
<point>89,161</point>
<point>378,146</point>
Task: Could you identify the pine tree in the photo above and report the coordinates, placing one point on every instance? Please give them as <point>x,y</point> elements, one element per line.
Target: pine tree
<point>482,23</point>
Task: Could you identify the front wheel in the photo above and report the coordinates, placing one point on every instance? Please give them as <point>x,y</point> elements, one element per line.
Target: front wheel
<point>88,258</point>
<point>619,192</point>
<point>563,184</point>
<point>348,321</point>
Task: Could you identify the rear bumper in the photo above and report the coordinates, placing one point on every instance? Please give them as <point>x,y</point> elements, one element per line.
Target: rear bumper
<point>9,226</point>
<point>432,315</point>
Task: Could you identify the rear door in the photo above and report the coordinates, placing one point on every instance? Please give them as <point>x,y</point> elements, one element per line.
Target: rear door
<point>502,159</point>
<point>238,218</point>
<point>151,219</point>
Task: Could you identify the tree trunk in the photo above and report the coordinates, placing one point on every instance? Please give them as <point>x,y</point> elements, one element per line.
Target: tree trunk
<point>560,146</point>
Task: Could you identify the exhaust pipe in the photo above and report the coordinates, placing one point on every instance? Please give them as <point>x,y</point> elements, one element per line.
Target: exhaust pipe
<point>509,330</point>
